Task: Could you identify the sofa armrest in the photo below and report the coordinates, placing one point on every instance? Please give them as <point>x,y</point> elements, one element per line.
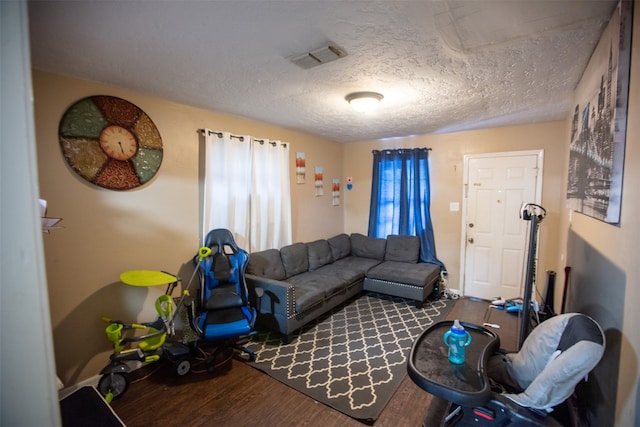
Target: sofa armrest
<point>278,296</point>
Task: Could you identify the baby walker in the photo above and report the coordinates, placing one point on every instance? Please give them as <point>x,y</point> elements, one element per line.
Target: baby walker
<point>153,345</point>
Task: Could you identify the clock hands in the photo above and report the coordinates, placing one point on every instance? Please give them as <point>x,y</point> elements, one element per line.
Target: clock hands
<point>114,136</point>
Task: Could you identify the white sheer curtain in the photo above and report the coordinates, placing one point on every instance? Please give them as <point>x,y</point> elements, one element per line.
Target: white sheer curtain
<point>227,184</point>
<point>270,196</point>
<point>247,190</point>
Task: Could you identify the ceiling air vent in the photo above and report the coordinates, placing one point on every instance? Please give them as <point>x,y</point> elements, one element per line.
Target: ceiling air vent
<point>318,57</point>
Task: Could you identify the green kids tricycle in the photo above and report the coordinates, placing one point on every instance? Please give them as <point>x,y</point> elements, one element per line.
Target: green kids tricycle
<point>152,346</point>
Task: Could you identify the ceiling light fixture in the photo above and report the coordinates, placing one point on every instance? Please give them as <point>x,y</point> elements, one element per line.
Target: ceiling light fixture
<point>364,101</point>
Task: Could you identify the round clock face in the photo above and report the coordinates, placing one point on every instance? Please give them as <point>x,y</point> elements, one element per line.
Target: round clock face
<point>118,142</point>
<point>110,142</point>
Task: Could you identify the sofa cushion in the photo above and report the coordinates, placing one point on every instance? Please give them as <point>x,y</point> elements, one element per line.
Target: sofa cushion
<point>367,247</point>
<point>295,259</point>
<point>357,264</point>
<point>266,264</point>
<point>326,285</point>
<point>344,271</point>
<point>319,254</point>
<point>307,298</point>
<point>340,246</point>
<point>419,274</point>
<point>402,249</point>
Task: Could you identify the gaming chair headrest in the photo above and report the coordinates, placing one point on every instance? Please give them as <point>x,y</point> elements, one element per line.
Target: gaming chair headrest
<point>219,238</point>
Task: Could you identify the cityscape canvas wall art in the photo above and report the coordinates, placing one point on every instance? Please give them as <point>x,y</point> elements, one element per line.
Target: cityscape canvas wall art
<point>598,133</point>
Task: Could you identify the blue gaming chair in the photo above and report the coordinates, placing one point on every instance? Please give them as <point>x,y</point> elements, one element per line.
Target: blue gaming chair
<point>223,315</point>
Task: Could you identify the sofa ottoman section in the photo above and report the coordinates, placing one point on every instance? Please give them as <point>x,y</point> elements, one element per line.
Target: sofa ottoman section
<point>401,279</point>
<point>400,274</point>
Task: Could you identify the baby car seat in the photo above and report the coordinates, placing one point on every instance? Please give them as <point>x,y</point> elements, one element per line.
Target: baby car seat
<point>554,358</point>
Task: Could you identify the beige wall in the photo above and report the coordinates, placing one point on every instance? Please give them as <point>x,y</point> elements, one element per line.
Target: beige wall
<point>618,246</point>
<point>154,227</point>
<point>446,172</point>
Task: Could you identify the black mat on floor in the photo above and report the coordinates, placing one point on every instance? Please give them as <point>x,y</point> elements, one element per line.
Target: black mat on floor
<point>355,357</point>
<point>86,407</point>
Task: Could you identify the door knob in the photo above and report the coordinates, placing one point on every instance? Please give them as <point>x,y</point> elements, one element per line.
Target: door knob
<point>470,239</point>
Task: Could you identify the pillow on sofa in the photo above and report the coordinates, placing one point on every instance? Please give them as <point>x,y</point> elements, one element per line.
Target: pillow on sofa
<point>402,248</point>
<point>319,254</point>
<point>295,259</point>
<point>340,246</point>
<point>266,264</point>
<point>367,247</point>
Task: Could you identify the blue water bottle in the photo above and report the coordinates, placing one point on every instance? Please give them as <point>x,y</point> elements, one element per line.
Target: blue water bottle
<point>456,338</point>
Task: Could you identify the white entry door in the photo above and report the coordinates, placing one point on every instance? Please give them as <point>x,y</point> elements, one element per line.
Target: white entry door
<point>495,238</point>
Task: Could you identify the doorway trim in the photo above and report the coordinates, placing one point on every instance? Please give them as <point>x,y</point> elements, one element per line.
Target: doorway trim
<point>465,188</point>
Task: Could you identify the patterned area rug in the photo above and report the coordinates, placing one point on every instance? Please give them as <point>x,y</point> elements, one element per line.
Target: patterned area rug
<point>354,358</point>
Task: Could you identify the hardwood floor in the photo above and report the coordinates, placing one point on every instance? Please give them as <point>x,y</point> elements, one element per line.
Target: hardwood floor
<point>239,395</point>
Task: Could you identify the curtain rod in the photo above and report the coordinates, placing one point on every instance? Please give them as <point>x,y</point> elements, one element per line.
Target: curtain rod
<point>219,134</point>
<point>273,143</point>
<point>241,138</point>
<point>402,149</point>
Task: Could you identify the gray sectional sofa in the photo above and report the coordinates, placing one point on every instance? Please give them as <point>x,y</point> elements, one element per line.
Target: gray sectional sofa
<point>301,281</point>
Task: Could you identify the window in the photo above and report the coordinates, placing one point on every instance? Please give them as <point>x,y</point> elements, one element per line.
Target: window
<point>247,190</point>
<point>400,198</point>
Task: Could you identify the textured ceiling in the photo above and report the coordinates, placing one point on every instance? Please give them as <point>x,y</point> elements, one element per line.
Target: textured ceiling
<point>442,66</point>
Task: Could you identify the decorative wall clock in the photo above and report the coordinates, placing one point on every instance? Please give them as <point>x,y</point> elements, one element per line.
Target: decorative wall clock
<point>110,142</point>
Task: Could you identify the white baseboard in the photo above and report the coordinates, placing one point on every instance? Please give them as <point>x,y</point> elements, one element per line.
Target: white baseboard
<point>92,381</point>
